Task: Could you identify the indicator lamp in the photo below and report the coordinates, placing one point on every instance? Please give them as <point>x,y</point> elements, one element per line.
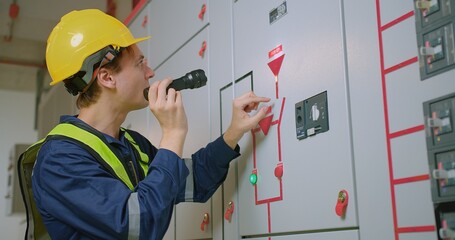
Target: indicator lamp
<point>253,178</point>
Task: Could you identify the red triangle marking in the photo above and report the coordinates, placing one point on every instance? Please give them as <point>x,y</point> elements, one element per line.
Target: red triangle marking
<point>265,123</point>
<point>275,65</point>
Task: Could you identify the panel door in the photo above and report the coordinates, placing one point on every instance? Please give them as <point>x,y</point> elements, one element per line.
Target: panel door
<point>225,224</point>
<point>294,51</point>
<point>139,120</point>
<point>189,216</point>
<point>140,26</point>
<point>172,24</point>
<point>230,194</point>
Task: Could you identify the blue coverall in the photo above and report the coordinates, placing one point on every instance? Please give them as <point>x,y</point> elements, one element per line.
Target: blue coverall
<point>79,199</point>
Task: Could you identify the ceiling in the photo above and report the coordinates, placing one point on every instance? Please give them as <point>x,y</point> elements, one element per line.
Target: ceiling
<point>23,39</point>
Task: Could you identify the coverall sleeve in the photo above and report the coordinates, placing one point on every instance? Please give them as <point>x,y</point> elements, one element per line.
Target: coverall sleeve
<point>208,169</point>
<point>79,199</point>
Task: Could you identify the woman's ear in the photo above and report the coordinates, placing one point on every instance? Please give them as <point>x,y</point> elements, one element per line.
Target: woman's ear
<point>105,78</point>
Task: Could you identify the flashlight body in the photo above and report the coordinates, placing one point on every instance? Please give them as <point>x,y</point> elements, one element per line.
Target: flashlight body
<point>193,79</point>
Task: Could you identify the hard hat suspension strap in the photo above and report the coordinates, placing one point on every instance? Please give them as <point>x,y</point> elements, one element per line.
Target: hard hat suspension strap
<point>81,81</point>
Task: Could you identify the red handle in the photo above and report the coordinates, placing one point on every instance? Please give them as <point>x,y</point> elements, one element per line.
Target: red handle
<point>205,221</point>
<point>229,211</point>
<point>203,48</point>
<point>342,203</point>
<point>202,12</point>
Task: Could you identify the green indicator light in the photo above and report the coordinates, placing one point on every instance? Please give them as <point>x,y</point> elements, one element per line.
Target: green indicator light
<point>253,178</point>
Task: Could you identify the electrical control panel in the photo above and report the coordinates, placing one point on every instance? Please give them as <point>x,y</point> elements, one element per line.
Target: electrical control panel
<point>281,187</point>
<point>439,117</point>
<point>440,139</point>
<point>437,50</point>
<point>429,12</point>
<point>435,36</point>
<point>445,215</point>
<point>312,116</point>
<point>299,120</point>
<point>442,165</point>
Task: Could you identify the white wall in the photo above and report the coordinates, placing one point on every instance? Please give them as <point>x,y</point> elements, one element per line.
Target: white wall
<point>16,126</point>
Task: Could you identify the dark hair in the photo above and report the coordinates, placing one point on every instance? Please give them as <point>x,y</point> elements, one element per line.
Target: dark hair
<point>93,92</point>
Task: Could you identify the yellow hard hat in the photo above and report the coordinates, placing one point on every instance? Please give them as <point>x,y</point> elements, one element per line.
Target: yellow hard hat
<point>80,34</point>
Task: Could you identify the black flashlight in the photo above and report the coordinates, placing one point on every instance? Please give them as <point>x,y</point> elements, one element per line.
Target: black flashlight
<point>193,79</point>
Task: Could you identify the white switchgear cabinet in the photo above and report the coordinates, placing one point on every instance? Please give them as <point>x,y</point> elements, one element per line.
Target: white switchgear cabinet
<point>172,23</point>
<point>317,168</point>
<point>364,56</point>
<point>140,27</point>
<point>173,53</point>
<point>189,216</point>
<point>388,123</point>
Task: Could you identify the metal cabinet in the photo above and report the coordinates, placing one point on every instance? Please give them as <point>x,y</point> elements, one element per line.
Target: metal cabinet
<point>363,58</point>
<point>172,23</point>
<point>178,45</point>
<point>189,217</point>
<point>290,52</point>
<point>140,27</point>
